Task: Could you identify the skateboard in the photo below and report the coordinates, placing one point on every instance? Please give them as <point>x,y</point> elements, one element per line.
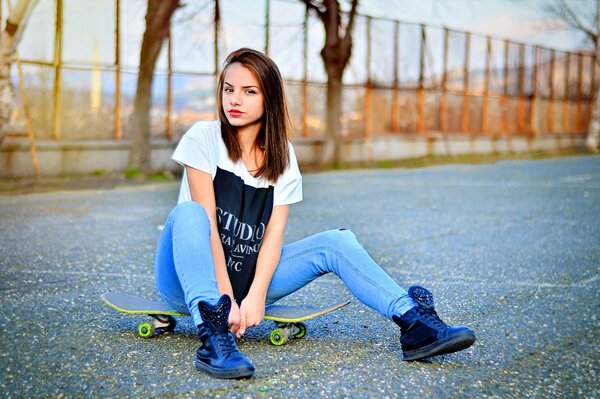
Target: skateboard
<point>288,319</point>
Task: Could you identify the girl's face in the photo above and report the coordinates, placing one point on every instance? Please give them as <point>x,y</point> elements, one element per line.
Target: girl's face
<point>242,97</point>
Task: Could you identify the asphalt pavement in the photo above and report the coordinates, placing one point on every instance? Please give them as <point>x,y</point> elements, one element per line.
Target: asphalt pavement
<point>511,249</point>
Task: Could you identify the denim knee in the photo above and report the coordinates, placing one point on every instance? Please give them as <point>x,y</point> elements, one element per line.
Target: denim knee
<point>190,210</point>
<point>338,239</point>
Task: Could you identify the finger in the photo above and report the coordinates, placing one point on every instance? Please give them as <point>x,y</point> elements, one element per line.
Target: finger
<point>242,327</point>
<point>251,323</point>
<point>234,325</point>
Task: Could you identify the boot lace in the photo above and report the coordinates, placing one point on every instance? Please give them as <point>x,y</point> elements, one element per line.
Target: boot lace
<point>226,343</point>
<point>432,317</point>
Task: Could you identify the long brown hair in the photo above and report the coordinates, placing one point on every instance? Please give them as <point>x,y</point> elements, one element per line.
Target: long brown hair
<point>274,132</point>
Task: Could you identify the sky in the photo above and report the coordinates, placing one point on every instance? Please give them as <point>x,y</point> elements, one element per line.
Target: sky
<point>519,20</point>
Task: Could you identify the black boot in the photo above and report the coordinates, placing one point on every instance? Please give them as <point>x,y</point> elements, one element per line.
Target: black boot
<point>219,355</point>
<point>424,334</point>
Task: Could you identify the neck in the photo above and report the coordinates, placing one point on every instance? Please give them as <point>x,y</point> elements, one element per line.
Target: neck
<point>247,136</point>
<point>252,156</point>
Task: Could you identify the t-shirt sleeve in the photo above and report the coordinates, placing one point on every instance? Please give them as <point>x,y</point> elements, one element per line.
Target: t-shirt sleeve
<point>288,189</point>
<point>196,149</point>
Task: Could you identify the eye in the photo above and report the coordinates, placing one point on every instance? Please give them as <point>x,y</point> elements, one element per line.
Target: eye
<point>250,91</point>
<point>228,90</point>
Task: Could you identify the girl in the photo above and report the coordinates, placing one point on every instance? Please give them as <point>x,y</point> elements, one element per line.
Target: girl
<point>221,255</point>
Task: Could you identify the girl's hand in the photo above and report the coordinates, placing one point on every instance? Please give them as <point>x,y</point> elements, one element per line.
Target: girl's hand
<point>234,317</point>
<point>252,312</point>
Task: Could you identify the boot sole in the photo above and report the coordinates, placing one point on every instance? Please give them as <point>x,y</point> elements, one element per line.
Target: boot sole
<point>244,372</point>
<point>449,345</point>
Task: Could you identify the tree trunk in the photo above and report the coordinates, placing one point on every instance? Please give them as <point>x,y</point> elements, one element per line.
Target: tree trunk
<point>9,40</point>
<point>335,54</point>
<point>158,19</point>
<point>332,148</point>
<point>336,57</point>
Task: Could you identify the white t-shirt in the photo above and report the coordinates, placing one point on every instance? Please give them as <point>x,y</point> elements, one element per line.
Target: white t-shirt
<point>203,148</point>
<point>244,202</point>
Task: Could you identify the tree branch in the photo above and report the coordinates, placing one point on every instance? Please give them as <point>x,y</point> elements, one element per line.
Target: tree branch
<point>565,13</point>
<point>312,6</point>
<point>350,26</point>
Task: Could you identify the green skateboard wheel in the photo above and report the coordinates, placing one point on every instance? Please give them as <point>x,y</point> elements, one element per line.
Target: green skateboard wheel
<point>279,337</point>
<point>302,332</point>
<point>146,330</point>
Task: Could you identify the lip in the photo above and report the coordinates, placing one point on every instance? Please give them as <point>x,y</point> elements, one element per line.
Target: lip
<point>234,113</point>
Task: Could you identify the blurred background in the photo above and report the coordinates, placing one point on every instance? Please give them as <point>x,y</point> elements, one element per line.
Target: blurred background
<point>477,67</point>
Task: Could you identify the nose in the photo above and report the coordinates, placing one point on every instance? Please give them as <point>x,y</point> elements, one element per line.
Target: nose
<point>234,99</point>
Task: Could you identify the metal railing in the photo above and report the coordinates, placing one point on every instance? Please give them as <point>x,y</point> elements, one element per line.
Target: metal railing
<point>428,80</point>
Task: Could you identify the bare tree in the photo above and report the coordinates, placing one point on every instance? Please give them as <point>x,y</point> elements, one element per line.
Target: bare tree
<point>9,40</point>
<point>336,54</point>
<point>581,17</point>
<point>158,21</point>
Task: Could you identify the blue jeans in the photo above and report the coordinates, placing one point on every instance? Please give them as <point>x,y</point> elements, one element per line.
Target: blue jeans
<point>185,273</point>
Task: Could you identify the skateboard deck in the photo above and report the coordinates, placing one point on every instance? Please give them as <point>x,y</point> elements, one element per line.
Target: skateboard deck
<point>288,319</point>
